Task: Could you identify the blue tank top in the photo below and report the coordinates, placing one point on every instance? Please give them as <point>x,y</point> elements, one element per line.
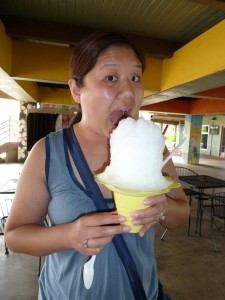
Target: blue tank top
<point>61,276</point>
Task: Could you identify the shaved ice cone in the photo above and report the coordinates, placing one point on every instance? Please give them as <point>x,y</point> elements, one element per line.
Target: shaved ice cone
<point>127,201</point>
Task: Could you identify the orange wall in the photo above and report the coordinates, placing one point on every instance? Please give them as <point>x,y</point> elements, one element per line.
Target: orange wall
<point>196,107</point>
<point>204,106</point>
<point>171,106</point>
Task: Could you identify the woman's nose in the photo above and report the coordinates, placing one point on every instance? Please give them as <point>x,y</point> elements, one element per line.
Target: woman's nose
<point>126,89</point>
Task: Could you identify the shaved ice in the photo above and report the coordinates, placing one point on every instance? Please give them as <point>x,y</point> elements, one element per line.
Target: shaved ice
<point>136,156</point>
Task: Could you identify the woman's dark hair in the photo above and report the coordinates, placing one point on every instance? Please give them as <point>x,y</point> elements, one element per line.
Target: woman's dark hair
<point>87,51</point>
<point>77,118</point>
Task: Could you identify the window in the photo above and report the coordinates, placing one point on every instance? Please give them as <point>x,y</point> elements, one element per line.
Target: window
<point>204,137</point>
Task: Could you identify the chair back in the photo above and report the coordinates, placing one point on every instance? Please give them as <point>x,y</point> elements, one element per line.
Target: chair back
<point>182,171</point>
<point>218,205</point>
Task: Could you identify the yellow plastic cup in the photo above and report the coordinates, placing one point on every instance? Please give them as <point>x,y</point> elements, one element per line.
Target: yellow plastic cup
<point>125,204</point>
<point>130,200</point>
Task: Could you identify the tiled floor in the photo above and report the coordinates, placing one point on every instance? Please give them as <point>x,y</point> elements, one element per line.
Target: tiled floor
<point>18,276</point>
<point>187,266</point>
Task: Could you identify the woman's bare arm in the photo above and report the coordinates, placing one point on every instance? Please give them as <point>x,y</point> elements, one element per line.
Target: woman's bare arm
<point>24,231</point>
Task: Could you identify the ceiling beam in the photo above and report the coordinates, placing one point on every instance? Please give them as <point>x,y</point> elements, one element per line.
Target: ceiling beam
<point>21,28</point>
<point>211,3</point>
<point>217,93</point>
<point>188,89</point>
<point>10,89</point>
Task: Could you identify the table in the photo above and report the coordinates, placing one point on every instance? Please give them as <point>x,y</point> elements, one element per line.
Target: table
<point>201,182</point>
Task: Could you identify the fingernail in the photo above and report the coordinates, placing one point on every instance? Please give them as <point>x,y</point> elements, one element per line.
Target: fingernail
<point>147,202</point>
<point>134,214</point>
<point>141,233</point>
<point>121,219</point>
<point>126,228</point>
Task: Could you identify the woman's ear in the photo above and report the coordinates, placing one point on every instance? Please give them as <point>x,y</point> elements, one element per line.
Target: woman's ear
<point>75,91</point>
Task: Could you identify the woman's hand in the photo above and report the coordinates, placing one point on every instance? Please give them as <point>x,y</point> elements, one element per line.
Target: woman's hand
<point>152,214</point>
<point>91,233</point>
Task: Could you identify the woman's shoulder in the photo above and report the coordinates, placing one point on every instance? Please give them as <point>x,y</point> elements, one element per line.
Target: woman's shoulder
<point>51,138</point>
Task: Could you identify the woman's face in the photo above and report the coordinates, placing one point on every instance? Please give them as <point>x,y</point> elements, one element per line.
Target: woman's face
<point>112,90</point>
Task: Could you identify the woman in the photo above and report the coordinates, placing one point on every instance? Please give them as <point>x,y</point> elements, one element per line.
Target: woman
<point>106,72</point>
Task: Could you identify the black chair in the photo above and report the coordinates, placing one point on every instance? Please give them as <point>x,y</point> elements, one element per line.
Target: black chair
<point>182,171</point>
<point>190,193</point>
<point>216,210</point>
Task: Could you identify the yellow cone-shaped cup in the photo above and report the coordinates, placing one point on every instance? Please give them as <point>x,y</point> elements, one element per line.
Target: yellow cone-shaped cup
<point>125,204</point>
<point>129,200</point>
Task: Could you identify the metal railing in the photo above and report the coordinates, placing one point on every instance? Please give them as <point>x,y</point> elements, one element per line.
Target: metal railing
<point>9,131</point>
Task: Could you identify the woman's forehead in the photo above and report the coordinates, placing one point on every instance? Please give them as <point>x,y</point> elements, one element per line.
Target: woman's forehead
<point>116,54</point>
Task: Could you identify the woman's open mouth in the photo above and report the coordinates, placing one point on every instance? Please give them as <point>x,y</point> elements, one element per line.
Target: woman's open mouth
<point>119,115</point>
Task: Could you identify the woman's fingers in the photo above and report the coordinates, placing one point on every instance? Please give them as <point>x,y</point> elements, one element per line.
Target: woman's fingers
<point>99,219</point>
<point>103,224</point>
<point>94,231</point>
<point>149,216</point>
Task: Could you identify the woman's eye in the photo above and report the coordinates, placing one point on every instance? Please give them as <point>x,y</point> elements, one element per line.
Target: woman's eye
<point>136,78</point>
<point>111,78</point>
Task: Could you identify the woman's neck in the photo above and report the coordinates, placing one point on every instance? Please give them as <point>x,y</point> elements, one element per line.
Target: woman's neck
<point>94,147</point>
